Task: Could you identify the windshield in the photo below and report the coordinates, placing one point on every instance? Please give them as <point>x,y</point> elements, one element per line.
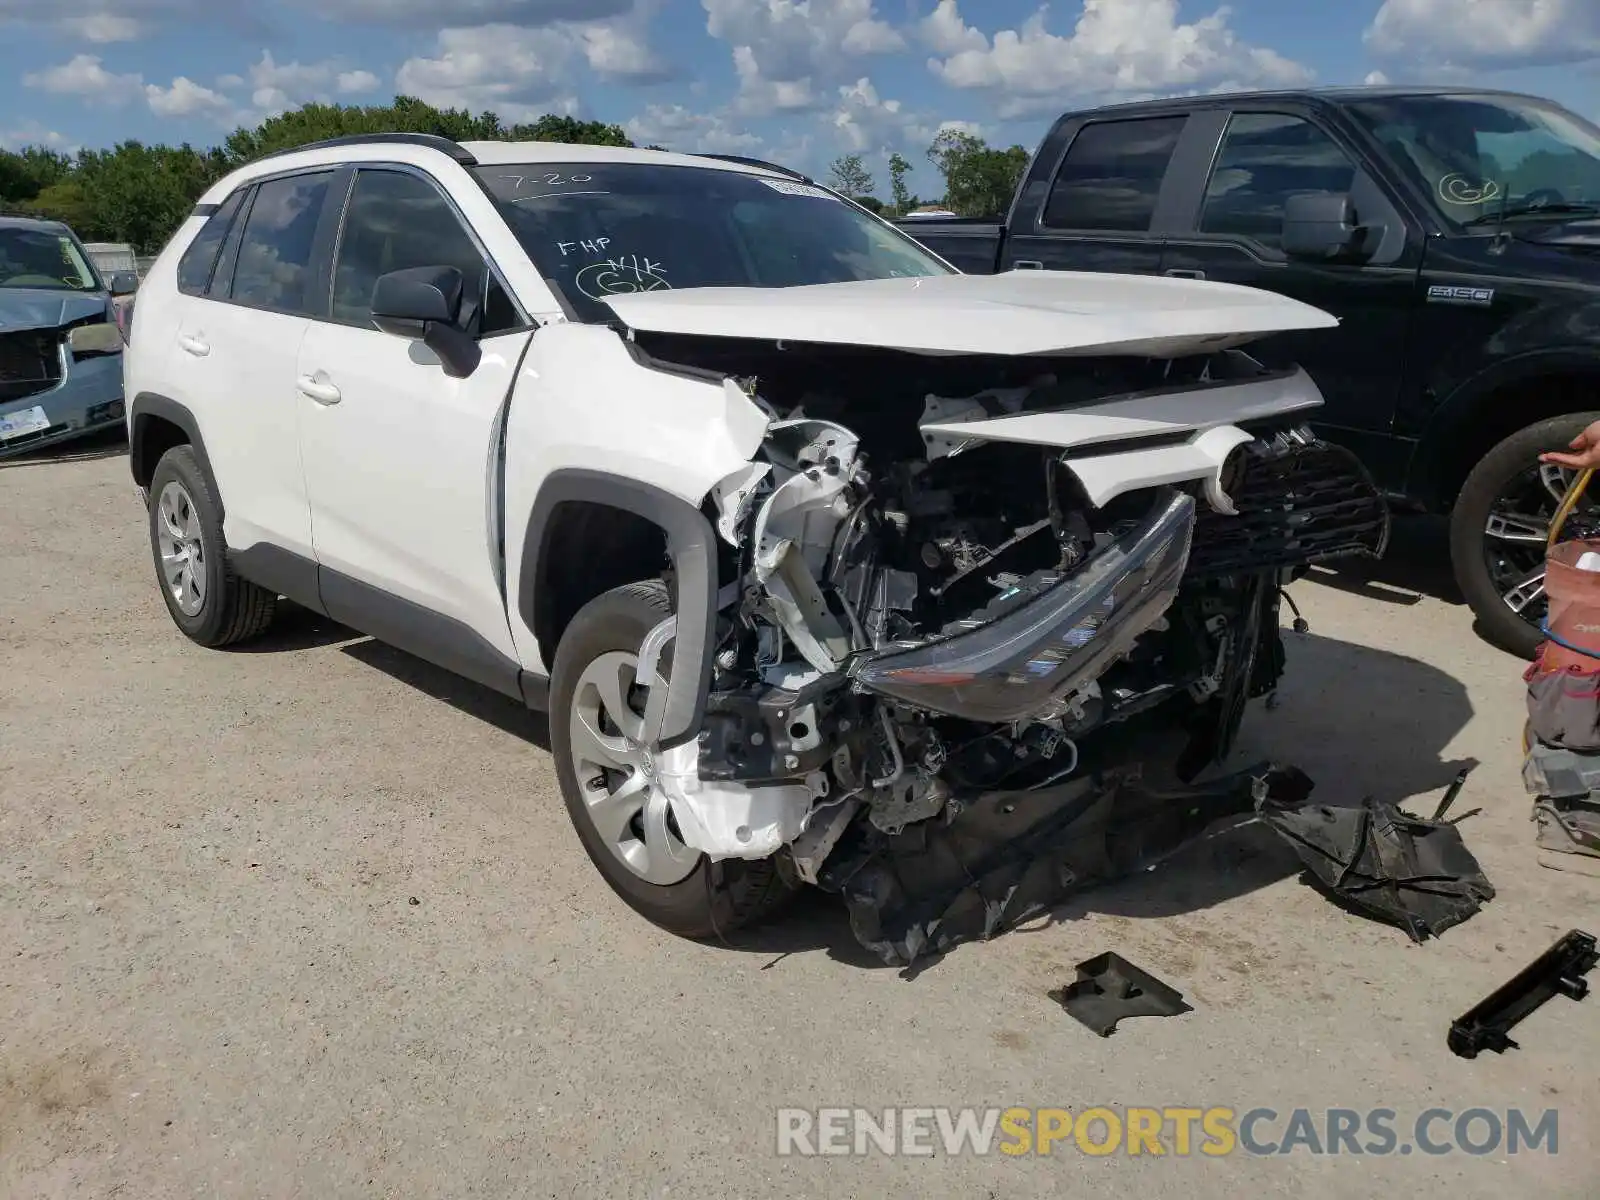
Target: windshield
<point>1477,156</point>
<point>603,229</point>
<point>43,258</point>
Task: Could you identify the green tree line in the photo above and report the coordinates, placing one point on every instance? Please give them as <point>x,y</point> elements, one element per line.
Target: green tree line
<point>979,180</point>
<point>139,194</point>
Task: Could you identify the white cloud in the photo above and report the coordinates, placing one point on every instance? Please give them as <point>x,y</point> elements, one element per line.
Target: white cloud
<point>31,133</point>
<point>510,69</point>
<point>277,87</point>
<point>520,71</point>
<point>679,128</point>
<point>786,53</point>
<point>467,13</point>
<point>620,50</point>
<point>865,121</point>
<point>1375,79</point>
<point>274,87</point>
<point>1487,33</point>
<point>1117,47</point>
<point>85,75</point>
<point>102,27</point>
<point>355,82</point>
<point>186,98</point>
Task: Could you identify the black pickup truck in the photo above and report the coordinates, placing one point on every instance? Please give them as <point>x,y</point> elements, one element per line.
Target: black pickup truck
<point>1454,233</point>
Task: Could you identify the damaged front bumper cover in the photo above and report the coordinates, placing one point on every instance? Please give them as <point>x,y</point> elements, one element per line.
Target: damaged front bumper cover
<point>1014,666</point>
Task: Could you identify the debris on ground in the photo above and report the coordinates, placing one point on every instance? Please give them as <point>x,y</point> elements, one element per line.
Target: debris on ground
<point>1385,863</point>
<point>1109,988</point>
<point>1009,856</point>
<point>1560,970</point>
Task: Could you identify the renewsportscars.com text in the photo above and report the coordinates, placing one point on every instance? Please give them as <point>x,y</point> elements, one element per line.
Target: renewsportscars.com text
<point>1181,1132</point>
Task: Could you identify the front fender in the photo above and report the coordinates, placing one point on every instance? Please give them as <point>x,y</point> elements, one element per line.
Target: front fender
<point>592,419</point>
<point>1470,402</point>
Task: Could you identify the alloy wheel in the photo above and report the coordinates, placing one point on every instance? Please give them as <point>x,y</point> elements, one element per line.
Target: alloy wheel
<point>618,777</point>
<point>182,548</point>
<point>1518,528</point>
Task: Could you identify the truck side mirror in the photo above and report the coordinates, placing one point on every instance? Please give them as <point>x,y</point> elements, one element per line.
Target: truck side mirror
<point>122,283</point>
<point>1319,225</point>
<point>424,304</point>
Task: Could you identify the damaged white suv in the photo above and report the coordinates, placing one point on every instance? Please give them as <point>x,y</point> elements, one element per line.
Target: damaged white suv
<point>832,565</point>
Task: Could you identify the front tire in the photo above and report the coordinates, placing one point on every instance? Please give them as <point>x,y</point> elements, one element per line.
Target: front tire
<point>1498,529</point>
<point>623,821</point>
<point>207,601</point>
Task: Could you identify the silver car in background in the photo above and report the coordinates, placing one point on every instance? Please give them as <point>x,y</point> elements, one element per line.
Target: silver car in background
<point>60,337</point>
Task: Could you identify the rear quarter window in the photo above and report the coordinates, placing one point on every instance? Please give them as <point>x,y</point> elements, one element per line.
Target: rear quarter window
<point>200,259</point>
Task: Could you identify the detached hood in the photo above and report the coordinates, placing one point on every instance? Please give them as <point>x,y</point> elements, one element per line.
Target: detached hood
<point>46,308</point>
<point>1019,312</point>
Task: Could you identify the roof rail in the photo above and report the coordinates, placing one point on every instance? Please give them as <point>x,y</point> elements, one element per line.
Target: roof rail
<point>758,162</point>
<point>431,140</point>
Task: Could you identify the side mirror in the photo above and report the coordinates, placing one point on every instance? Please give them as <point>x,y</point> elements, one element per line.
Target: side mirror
<point>1320,225</point>
<point>104,338</point>
<point>424,304</point>
<point>123,283</point>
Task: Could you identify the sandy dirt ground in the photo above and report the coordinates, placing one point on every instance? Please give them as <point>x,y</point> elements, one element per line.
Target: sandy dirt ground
<point>309,920</point>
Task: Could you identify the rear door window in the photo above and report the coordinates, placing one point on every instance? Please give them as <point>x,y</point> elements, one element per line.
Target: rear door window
<point>1112,174</point>
<point>200,259</point>
<point>274,268</point>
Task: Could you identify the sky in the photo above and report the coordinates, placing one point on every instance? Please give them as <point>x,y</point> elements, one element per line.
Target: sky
<point>798,81</point>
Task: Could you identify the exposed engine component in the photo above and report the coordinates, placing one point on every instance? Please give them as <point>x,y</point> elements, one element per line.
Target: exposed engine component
<point>913,625</point>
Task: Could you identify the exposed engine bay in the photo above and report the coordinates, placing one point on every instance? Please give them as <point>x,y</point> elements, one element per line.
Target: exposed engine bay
<point>949,601</point>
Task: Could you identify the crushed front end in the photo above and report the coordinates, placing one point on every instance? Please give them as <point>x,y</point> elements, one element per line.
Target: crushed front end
<point>1009,633</point>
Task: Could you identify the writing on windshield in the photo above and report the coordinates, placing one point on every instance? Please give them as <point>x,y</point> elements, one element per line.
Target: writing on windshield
<point>43,258</point>
<point>605,229</point>
<point>1479,157</point>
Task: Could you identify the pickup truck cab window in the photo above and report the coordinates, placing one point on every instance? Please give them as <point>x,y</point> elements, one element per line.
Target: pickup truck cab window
<point>1480,158</point>
<point>1111,175</point>
<point>395,220</point>
<point>1266,158</point>
<point>274,267</point>
<point>598,229</point>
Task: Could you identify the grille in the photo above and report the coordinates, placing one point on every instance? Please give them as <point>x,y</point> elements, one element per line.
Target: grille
<point>1300,501</point>
<point>30,362</point>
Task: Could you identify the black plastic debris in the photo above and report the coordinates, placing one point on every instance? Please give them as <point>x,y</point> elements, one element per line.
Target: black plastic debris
<point>1384,862</point>
<point>1009,856</point>
<point>1560,970</point>
<point>1109,988</point>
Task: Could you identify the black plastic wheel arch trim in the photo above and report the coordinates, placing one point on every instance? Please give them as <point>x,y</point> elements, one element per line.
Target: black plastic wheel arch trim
<point>692,548</point>
<point>164,408</point>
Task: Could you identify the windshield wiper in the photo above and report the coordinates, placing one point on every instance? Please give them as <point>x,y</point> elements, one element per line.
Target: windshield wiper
<point>1560,208</point>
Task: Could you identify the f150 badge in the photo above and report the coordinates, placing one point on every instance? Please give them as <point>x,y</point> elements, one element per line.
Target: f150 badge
<point>1447,294</point>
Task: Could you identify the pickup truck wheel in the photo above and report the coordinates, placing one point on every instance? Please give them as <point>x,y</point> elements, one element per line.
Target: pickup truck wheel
<point>607,780</point>
<point>208,602</point>
<point>1499,526</point>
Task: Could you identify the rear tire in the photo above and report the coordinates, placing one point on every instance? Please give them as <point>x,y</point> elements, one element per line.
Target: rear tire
<point>711,898</point>
<point>207,601</point>
<point>1485,566</point>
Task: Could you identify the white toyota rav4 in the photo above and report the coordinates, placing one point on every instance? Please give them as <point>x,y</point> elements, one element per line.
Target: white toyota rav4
<point>831,565</point>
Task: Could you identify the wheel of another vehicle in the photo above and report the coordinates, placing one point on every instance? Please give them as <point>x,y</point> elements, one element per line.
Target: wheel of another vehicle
<point>211,604</point>
<point>1500,524</point>
<point>608,781</point>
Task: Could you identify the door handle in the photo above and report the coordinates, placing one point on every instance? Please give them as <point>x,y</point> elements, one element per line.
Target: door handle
<point>1184,273</point>
<point>196,346</point>
<point>1027,264</point>
<point>322,393</point>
